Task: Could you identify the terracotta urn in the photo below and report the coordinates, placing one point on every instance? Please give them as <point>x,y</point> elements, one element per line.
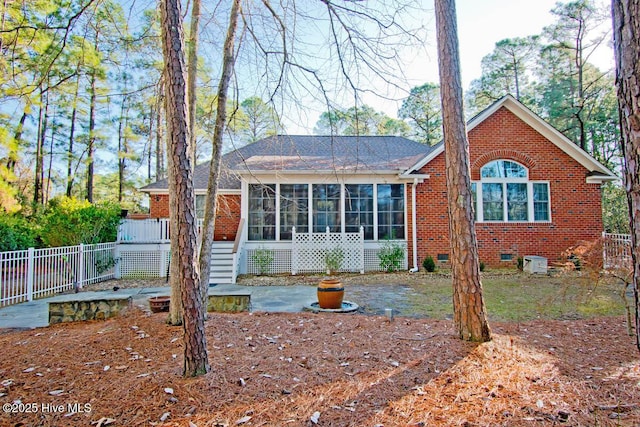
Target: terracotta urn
<point>159,304</point>
<point>330,293</point>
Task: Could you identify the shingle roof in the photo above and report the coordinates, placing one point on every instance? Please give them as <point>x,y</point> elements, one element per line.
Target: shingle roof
<point>313,154</point>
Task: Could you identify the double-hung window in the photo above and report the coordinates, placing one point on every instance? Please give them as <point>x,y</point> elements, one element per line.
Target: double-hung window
<point>505,194</point>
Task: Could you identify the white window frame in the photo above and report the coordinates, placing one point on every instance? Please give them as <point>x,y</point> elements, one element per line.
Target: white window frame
<point>478,206</point>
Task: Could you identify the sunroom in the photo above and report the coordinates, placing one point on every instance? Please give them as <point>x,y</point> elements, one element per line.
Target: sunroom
<point>299,220</point>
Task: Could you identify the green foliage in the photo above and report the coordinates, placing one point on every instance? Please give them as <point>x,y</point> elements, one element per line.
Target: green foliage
<point>615,209</point>
<point>104,262</point>
<point>422,109</point>
<point>15,233</point>
<point>506,70</point>
<point>429,264</point>
<point>333,259</point>
<point>263,258</point>
<point>391,255</point>
<point>520,264</point>
<point>68,221</point>
<point>259,120</point>
<point>482,266</point>
<point>362,120</point>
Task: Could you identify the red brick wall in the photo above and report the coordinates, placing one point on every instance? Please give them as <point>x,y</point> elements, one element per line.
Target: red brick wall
<point>227,217</point>
<point>159,206</point>
<point>575,205</point>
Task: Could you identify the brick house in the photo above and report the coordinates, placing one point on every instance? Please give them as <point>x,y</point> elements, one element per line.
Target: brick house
<point>535,193</point>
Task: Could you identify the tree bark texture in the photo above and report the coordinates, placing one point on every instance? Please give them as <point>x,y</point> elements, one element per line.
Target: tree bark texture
<point>92,136</point>
<point>211,204</point>
<point>181,195</point>
<point>192,76</point>
<point>468,304</point>
<point>626,36</point>
<point>38,182</point>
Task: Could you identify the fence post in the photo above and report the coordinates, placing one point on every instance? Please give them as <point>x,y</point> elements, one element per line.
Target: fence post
<point>604,250</point>
<point>30,273</point>
<point>81,266</point>
<point>327,242</point>
<point>294,252</point>
<point>361,250</point>
<point>163,261</point>
<point>117,273</point>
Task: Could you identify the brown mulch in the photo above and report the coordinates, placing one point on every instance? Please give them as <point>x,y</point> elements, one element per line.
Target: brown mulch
<point>301,369</point>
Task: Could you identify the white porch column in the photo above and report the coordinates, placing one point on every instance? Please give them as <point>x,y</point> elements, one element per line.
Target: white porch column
<point>414,223</point>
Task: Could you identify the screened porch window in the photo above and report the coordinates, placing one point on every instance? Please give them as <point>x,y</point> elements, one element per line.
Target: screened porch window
<point>505,194</point>
<point>378,208</point>
<point>390,211</point>
<point>326,207</point>
<point>201,200</point>
<point>294,209</point>
<point>262,212</point>
<point>359,209</point>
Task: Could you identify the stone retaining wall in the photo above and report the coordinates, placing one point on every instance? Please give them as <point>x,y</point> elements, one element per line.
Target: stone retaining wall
<point>92,309</point>
<point>229,303</point>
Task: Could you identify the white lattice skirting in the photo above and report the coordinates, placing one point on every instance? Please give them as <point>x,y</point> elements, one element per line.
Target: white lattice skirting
<point>309,251</point>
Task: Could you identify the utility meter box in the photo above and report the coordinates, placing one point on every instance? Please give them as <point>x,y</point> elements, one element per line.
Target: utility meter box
<point>535,264</point>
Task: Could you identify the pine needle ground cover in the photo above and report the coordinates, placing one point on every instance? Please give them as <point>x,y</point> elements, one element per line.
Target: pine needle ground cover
<point>319,369</point>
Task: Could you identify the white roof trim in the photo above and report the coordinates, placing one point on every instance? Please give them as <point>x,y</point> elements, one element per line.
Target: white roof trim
<point>542,127</point>
<point>198,191</point>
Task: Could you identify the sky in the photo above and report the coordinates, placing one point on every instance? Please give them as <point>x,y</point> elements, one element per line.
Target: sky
<point>482,23</point>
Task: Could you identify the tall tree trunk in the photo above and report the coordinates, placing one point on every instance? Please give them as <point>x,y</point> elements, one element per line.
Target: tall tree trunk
<point>211,204</point>
<point>160,169</point>
<point>468,305</point>
<point>72,129</point>
<point>123,147</point>
<point>626,36</point>
<point>152,117</point>
<point>12,156</point>
<point>92,136</point>
<point>181,194</point>
<point>192,76</point>
<point>47,192</point>
<point>42,131</point>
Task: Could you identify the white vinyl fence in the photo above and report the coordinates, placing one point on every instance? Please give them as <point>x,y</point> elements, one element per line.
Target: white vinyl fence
<point>36,273</point>
<point>155,230</point>
<point>616,250</point>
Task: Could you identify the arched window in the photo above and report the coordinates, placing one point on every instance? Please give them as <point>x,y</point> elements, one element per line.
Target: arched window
<point>505,194</point>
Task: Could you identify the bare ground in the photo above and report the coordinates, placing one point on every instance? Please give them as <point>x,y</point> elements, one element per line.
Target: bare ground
<point>300,369</point>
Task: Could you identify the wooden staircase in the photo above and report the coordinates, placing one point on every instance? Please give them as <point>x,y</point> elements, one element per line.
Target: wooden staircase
<point>223,270</point>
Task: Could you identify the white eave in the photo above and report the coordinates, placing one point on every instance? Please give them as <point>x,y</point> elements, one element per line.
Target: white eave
<point>161,191</point>
<point>598,173</point>
<point>361,171</point>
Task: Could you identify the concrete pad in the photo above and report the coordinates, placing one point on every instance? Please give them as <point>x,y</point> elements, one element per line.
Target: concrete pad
<point>35,314</point>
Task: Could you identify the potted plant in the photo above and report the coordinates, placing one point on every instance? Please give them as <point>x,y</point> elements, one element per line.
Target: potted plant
<point>330,289</point>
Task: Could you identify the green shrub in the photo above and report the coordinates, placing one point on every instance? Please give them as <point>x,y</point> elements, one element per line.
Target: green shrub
<point>482,266</point>
<point>333,260</point>
<point>520,263</point>
<point>69,221</point>
<point>429,264</point>
<point>391,256</point>
<point>263,258</point>
<point>16,233</point>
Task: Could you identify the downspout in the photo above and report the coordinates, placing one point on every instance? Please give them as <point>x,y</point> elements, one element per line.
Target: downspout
<point>414,222</point>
